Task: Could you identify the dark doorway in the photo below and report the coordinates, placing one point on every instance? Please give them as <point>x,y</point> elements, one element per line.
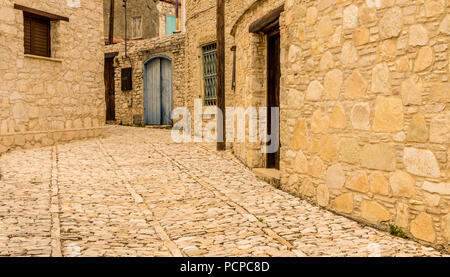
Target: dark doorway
<point>273,88</point>
<point>110,89</point>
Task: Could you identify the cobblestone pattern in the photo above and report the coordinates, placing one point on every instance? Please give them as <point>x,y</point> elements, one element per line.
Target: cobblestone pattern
<point>24,204</point>
<point>98,214</point>
<point>134,193</point>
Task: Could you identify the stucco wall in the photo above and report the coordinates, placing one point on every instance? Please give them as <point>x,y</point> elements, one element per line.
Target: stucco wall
<point>147,9</point>
<point>364,108</point>
<point>61,98</point>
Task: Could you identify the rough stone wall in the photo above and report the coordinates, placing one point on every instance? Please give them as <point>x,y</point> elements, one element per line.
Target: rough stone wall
<point>44,100</point>
<point>130,103</point>
<point>370,137</point>
<point>364,108</point>
<point>147,9</point>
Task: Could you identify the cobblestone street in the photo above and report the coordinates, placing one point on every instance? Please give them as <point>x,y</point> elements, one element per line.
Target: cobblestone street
<point>135,193</point>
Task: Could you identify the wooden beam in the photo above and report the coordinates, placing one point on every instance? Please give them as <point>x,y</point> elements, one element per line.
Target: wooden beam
<point>111,55</point>
<point>266,20</point>
<point>111,22</point>
<point>47,15</point>
<point>274,26</point>
<point>220,85</point>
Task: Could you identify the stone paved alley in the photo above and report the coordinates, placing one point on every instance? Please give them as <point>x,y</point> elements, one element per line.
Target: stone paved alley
<point>135,193</point>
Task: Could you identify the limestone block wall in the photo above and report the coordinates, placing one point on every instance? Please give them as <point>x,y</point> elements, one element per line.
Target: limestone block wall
<point>129,104</point>
<point>365,111</point>
<point>44,100</point>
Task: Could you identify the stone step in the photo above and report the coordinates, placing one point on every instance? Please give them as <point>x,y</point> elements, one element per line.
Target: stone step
<point>159,126</point>
<point>269,175</point>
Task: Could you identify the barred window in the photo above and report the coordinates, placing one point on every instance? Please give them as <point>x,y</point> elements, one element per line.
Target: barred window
<point>209,73</point>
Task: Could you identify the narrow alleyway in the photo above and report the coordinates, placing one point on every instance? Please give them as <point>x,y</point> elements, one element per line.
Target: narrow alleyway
<point>135,193</point>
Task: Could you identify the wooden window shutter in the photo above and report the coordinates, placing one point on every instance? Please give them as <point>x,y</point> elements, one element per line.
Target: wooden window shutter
<point>36,35</point>
<point>27,34</point>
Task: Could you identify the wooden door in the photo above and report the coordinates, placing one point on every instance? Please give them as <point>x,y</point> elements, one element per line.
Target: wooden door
<point>273,90</point>
<point>110,89</point>
<point>158,92</point>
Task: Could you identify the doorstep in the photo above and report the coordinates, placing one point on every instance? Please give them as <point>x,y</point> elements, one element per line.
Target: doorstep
<point>158,126</point>
<point>269,175</point>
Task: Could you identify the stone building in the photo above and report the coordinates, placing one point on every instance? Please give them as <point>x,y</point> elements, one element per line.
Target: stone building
<point>363,90</point>
<point>131,104</point>
<point>51,86</point>
<point>156,73</point>
<point>200,46</point>
<point>145,18</point>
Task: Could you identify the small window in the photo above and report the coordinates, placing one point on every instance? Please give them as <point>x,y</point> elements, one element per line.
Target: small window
<point>36,35</point>
<point>171,24</point>
<point>209,73</point>
<point>136,27</point>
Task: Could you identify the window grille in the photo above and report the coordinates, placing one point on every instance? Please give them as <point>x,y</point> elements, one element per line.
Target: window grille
<point>209,74</point>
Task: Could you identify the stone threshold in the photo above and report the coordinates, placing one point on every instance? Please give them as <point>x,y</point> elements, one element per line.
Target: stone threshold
<point>158,126</point>
<point>269,175</point>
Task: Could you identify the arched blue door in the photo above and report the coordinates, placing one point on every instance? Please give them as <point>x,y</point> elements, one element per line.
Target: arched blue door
<point>158,91</point>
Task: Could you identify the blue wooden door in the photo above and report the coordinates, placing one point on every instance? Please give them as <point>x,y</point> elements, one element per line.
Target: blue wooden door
<point>158,92</point>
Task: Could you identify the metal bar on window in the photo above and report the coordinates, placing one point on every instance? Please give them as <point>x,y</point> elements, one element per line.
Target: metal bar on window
<point>209,74</point>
